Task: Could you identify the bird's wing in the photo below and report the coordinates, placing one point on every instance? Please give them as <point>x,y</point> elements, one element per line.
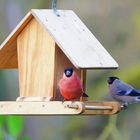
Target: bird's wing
<point>124,89</point>
<point>134,92</point>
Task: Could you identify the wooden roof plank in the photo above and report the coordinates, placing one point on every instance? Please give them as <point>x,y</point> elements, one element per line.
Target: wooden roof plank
<point>71,35</point>
<point>8,49</point>
<point>75,39</point>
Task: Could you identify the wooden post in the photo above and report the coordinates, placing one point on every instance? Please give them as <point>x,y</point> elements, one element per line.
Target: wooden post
<point>83,80</point>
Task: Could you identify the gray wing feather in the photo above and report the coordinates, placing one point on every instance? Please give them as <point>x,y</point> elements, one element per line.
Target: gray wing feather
<point>123,88</point>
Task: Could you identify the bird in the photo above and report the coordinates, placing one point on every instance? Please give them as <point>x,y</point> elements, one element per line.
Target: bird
<point>70,85</point>
<point>123,92</point>
<point>54,3</point>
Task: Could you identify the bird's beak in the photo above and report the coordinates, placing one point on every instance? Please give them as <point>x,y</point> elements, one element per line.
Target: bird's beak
<point>108,81</point>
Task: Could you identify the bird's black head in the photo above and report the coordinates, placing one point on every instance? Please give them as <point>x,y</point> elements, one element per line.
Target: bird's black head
<point>110,80</point>
<point>68,72</point>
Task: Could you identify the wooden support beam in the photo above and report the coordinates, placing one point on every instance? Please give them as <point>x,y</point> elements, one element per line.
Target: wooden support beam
<point>58,108</point>
<point>40,108</point>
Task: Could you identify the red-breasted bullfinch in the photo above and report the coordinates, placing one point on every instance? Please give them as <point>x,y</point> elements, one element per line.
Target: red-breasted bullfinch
<point>70,85</point>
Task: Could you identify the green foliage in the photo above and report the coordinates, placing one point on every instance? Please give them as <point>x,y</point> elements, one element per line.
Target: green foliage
<point>12,127</point>
<point>2,118</point>
<point>111,129</point>
<point>76,138</point>
<point>136,19</point>
<point>25,138</point>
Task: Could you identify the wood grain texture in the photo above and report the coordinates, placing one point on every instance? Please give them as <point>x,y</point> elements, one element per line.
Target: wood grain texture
<point>36,56</point>
<point>34,99</point>
<point>75,39</point>
<point>83,80</point>
<point>39,108</point>
<point>115,108</point>
<point>8,56</point>
<point>8,49</point>
<point>56,108</point>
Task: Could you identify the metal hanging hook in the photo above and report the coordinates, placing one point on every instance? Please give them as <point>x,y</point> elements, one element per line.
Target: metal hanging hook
<point>54,7</point>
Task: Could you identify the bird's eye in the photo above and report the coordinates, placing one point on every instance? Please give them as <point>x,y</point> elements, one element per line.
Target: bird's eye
<point>68,73</point>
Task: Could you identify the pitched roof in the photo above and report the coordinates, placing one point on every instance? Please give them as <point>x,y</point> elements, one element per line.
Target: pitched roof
<point>71,35</point>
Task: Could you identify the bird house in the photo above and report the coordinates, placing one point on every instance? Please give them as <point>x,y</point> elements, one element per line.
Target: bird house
<point>41,47</point>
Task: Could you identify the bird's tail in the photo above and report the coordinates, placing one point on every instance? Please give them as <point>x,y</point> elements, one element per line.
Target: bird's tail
<point>84,95</point>
<point>138,99</point>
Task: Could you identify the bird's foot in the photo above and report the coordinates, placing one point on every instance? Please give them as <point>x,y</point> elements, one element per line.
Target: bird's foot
<point>63,100</point>
<point>124,106</point>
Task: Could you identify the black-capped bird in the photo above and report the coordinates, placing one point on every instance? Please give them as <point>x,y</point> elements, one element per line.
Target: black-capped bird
<point>123,92</point>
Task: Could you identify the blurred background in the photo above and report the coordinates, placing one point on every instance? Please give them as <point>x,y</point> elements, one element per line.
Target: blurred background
<point>116,24</point>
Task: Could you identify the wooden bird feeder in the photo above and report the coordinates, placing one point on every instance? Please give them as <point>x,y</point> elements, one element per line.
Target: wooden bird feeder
<point>41,47</point>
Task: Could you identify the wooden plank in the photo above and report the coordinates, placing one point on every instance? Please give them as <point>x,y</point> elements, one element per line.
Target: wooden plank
<point>36,54</point>
<point>83,80</point>
<point>34,99</point>
<point>8,56</point>
<point>8,49</point>
<point>39,108</point>
<point>75,39</point>
<point>115,108</point>
<point>58,108</point>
